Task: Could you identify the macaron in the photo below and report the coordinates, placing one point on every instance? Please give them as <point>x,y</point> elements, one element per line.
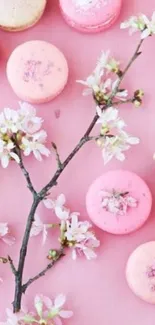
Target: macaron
<point>90,16</point>
<point>37,71</point>
<point>140,272</point>
<point>119,202</point>
<point>17,15</point>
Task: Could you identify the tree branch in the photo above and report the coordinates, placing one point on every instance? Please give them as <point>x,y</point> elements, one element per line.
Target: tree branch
<point>131,61</point>
<point>60,254</point>
<point>27,176</point>
<point>59,163</point>
<point>37,197</point>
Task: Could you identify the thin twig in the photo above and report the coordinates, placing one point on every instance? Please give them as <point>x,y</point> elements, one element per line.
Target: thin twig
<point>133,58</point>
<point>27,176</point>
<point>14,271</point>
<point>121,102</point>
<point>59,163</point>
<point>60,254</point>
<point>22,167</point>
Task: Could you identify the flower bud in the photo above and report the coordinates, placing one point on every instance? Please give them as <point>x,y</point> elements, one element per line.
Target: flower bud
<point>52,254</point>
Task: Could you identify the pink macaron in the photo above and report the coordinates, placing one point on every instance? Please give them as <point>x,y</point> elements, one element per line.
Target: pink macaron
<point>119,202</point>
<point>140,272</point>
<point>37,71</point>
<point>90,15</point>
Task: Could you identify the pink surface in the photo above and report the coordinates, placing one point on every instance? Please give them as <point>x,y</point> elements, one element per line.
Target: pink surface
<point>39,66</point>
<point>90,16</point>
<point>120,181</point>
<point>92,288</point>
<point>140,272</point>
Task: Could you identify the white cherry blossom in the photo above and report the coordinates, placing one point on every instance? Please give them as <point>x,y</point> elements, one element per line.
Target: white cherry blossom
<point>109,119</point>
<point>7,153</point>
<point>35,144</point>
<point>48,311</point>
<point>116,145</point>
<point>28,120</point>
<point>9,121</point>
<point>81,238</point>
<point>140,23</point>
<point>39,227</point>
<point>117,202</point>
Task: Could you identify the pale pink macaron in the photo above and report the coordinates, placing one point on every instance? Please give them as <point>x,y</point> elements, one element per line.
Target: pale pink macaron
<point>140,272</point>
<point>119,202</point>
<point>37,71</point>
<point>90,15</point>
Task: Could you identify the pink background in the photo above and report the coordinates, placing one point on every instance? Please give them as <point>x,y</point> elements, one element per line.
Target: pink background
<point>97,291</point>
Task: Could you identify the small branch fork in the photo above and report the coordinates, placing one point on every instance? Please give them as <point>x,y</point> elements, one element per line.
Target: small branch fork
<point>20,288</point>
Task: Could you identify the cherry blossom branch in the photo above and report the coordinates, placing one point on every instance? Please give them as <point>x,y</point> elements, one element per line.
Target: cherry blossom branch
<point>59,255</point>
<point>57,155</point>
<point>133,58</point>
<point>25,172</point>
<point>38,197</point>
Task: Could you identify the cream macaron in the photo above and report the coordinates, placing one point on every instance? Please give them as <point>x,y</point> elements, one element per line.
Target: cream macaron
<point>17,15</point>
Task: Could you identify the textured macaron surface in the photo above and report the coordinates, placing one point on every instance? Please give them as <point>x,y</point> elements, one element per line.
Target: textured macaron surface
<point>20,13</point>
<point>122,182</point>
<point>37,71</point>
<point>90,12</point>
<point>140,272</point>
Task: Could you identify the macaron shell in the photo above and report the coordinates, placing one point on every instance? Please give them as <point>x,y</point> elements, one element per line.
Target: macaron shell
<point>41,71</point>
<point>123,181</point>
<point>136,272</point>
<point>91,29</point>
<point>17,15</point>
<point>90,16</point>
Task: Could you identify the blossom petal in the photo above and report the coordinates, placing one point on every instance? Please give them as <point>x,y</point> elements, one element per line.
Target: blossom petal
<point>57,320</point>
<point>45,233</point>
<point>145,33</point>
<point>15,157</point>
<point>5,161</point>
<point>8,239</point>
<point>47,302</point>
<point>65,313</point>
<point>49,204</point>
<point>59,301</point>
<point>74,255</point>
<point>38,302</point>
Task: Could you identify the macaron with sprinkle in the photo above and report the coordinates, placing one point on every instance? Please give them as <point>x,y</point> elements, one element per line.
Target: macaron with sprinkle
<point>140,272</point>
<point>90,16</point>
<point>37,71</point>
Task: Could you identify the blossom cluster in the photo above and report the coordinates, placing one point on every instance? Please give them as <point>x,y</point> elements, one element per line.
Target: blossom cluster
<point>45,312</point>
<point>21,130</point>
<point>116,202</point>
<point>140,23</point>
<point>100,82</point>
<point>113,140</point>
<point>74,234</point>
